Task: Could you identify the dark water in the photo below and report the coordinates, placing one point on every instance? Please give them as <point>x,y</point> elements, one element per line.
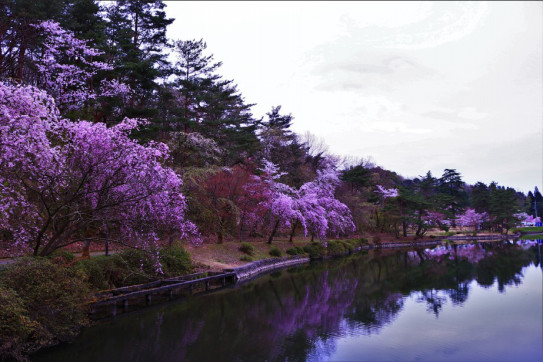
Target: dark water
<point>475,302</point>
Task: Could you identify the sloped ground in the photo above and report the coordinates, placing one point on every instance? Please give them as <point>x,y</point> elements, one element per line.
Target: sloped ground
<point>227,255</point>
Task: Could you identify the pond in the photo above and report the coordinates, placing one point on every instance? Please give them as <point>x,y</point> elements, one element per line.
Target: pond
<point>469,302</point>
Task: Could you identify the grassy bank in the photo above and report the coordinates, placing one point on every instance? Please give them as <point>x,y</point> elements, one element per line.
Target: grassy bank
<point>232,254</point>
<point>42,300</point>
<point>528,229</point>
<point>531,236</point>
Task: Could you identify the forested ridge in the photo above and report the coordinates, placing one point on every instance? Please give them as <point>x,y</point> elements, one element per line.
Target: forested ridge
<point>109,129</point>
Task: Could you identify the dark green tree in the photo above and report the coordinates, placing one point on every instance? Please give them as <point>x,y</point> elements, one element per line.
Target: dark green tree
<point>453,196</point>
<point>529,203</point>
<point>357,176</point>
<point>480,197</point>
<point>503,207</point>
<point>18,39</point>
<point>202,101</point>
<point>282,147</point>
<point>538,203</point>
<point>136,33</point>
<point>83,18</point>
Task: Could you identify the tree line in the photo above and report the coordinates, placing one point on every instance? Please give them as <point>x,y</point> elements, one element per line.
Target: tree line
<point>109,130</point>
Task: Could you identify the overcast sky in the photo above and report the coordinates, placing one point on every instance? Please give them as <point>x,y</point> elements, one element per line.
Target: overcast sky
<point>416,86</point>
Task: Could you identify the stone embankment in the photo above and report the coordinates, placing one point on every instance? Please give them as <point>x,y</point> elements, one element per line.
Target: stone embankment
<point>254,269</point>
<point>251,270</point>
<point>478,237</point>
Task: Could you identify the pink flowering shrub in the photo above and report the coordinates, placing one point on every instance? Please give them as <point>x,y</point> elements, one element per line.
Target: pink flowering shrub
<point>62,182</point>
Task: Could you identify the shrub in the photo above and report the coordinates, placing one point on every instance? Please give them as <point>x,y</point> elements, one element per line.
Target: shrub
<point>274,251</point>
<point>15,324</point>
<point>245,258</point>
<point>52,296</point>
<point>61,256</point>
<point>140,263</point>
<point>364,241</point>
<point>295,251</point>
<point>175,261</point>
<point>336,248</point>
<point>315,250</point>
<point>349,245</point>
<point>247,248</point>
<point>131,267</point>
<point>98,271</point>
<point>376,239</point>
<point>352,244</point>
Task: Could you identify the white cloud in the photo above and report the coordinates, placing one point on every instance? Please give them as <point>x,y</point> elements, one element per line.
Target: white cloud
<point>417,85</point>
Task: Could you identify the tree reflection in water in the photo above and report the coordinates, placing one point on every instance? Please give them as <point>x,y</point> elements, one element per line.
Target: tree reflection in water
<point>297,314</point>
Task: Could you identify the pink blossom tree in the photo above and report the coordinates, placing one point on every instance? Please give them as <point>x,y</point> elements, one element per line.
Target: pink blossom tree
<point>434,219</point>
<point>527,219</point>
<point>330,215</point>
<point>67,69</point>
<point>61,182</point>
<point>470,218</point>
<point>282,203</point>
<point>313,206</point>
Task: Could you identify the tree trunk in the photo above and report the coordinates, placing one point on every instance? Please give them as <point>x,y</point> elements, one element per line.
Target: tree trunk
<point>294,226</point>
<point>107,239</point>
<point>86,250</point>
<point>21,60</point>
<point>417,234</point>
<point>273,232</point>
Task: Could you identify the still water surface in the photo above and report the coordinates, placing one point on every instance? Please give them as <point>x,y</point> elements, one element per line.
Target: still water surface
<point>475,302</point>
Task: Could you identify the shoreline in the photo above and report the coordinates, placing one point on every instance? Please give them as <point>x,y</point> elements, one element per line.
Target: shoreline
<point>256,269</point>
<point>253,270</point>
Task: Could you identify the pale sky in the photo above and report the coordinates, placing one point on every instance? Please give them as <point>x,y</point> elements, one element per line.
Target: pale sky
<point>416,86</point>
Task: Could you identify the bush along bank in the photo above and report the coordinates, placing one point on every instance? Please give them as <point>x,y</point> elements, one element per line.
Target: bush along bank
<point>43,300</point>
<point>334,248</point>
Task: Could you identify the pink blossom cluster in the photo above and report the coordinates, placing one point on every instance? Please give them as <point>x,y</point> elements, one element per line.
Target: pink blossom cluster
<point>61,181</point>
<point>470,218</point>
<point>314,205</point>
<point>67,67</point>
<point>434,218</point>
<point>386,193</point>
<point>527,219</point>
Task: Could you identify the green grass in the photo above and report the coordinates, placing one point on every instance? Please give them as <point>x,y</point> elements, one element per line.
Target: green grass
<point>532,237</point>
<point>528,229</point>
